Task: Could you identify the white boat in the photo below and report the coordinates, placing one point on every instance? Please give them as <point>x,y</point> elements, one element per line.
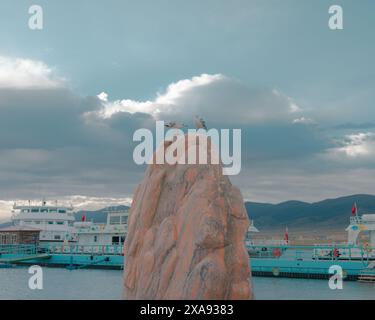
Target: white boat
<point>353,249</point>
<point>362,224</point>
<point>113,232</point>
<point>57,225</point>
<point>358,224</point>
<point>97,238</point>
<point>54,221</point>
<point>250,230</point>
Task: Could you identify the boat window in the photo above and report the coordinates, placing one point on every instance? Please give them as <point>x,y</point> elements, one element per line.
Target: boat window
<point>114,220</point>
<point>57,237</point>
<point>44,210</point>
<point>116,240</point>
<point>122,239</point>
<point>25,210</point>
<point>62,211</point>
<point>60,222</point>
<point>53,210</point>
<point>50,222</point>
<point>95,238</point>
<point>124,219</point>
<point>35,210</point>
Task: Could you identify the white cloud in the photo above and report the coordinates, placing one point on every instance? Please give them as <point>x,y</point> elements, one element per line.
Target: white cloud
<point>125,105</point>
<point>293,107</point>
<point>95,158</point>
<point>177,90</point>
<point>5,210</point>
<point>163,102</point>
<point>103,96</point>
<point>21,73</point>
<point>215,96</point>
<point>81,202</point>
<point>358,145</point>
<point>304,120</point>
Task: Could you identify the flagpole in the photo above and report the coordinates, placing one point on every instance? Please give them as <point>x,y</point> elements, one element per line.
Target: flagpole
<point>356,209</point>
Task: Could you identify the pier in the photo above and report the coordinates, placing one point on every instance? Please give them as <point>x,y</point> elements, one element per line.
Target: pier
<point>368,274</point>
<point>311,262</point>
<point>25,258</point>
<point>70,256</point>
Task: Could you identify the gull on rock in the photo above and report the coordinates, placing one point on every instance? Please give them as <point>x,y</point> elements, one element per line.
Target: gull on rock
<point>200,123</point>
<point>174,125</point>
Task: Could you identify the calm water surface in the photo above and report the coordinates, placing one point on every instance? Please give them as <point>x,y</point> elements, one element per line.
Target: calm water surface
<point>107,284</point>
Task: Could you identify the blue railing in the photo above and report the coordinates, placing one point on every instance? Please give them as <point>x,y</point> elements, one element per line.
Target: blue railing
<point>116,249</point>
<point>26,249</point>
<point>316,252</point>
<point>18,249</point>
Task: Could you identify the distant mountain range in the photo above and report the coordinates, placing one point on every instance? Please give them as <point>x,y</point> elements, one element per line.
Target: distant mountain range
<point>6,224</point>
<point>326,214</point>
<point>97,216</point>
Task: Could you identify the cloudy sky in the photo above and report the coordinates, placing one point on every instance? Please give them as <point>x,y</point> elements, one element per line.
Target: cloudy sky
<point>72,94</point>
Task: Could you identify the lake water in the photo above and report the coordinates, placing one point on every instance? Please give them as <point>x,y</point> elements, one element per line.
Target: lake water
<point>107,284</point>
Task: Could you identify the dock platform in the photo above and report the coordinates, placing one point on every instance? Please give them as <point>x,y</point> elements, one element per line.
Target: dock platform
<point>310,262</point>
<point>25,258</point>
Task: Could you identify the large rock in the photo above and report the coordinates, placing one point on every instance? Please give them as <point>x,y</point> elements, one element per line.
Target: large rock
<point>186,235</point>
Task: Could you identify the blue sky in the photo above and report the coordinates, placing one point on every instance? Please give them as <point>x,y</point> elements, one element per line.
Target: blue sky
<point>302,93</point>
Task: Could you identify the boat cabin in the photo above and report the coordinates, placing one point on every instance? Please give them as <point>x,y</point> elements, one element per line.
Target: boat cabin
<point>111,233</point>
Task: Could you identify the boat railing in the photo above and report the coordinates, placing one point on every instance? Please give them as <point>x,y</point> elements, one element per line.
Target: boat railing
<point>316,252</point>
<point>114,249</point>
<point>355,220</point>
<point>20,249</point>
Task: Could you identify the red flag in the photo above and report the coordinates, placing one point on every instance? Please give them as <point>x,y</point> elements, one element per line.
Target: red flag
<point>286,236</point>
<point>83,219</point>
<point>335,252</point>
<point>354,209</point>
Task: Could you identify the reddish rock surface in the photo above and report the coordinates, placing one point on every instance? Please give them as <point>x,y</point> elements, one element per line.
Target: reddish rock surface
<point>186,235</point>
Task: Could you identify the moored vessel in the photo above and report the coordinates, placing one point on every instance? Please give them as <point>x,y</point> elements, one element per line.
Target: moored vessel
<point>55,221</point>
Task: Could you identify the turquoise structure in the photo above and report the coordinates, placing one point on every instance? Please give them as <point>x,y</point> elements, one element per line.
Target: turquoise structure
<point>274,261</point>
